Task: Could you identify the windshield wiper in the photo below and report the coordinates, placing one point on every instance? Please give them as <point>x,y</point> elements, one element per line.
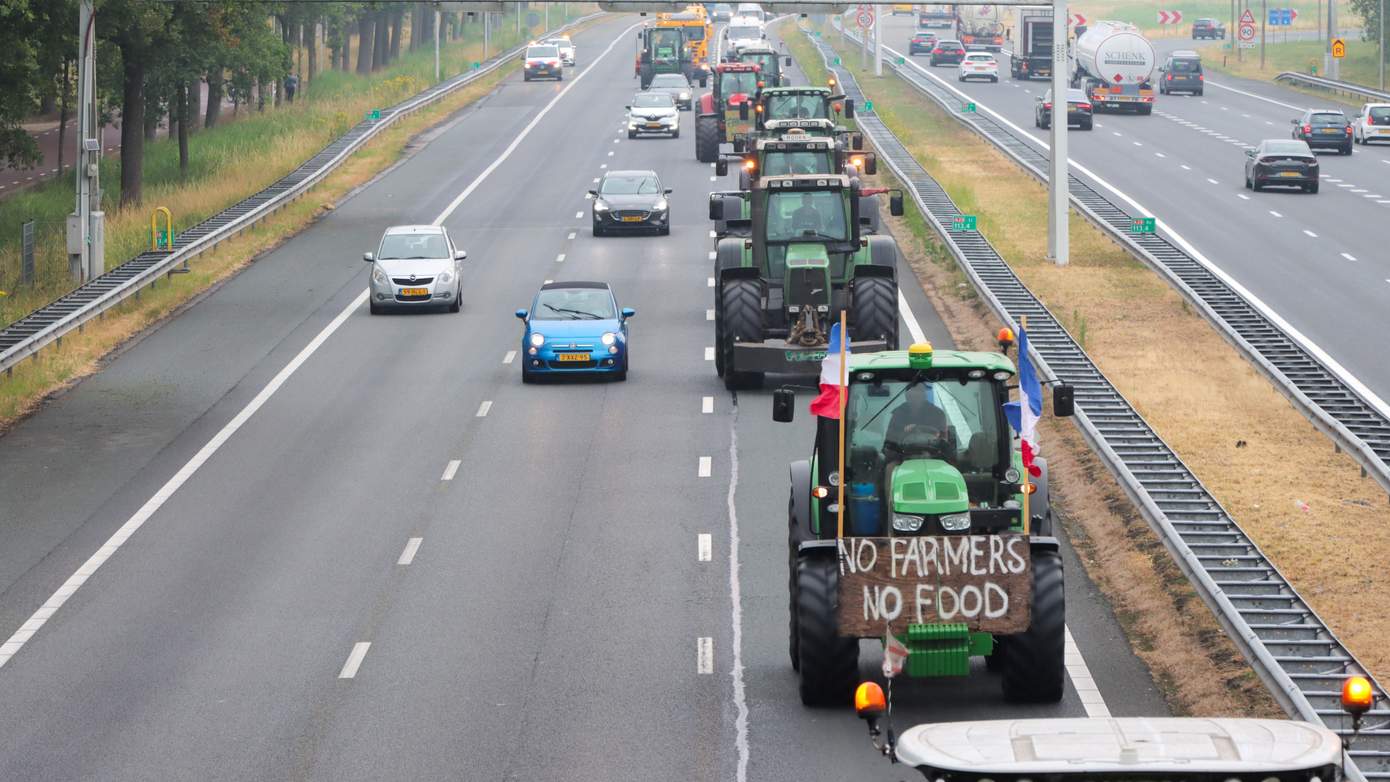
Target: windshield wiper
<point>589,315</point>
<point>890,402</point>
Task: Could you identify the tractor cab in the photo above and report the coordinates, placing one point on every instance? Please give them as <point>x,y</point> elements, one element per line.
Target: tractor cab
<point>799,152</point>
<point>768,61</point>
<point>726,113</point>
<point>663,51</point>
<point>812,109</point>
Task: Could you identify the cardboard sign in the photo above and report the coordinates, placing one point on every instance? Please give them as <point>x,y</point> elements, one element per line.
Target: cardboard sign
<point>983,581</point>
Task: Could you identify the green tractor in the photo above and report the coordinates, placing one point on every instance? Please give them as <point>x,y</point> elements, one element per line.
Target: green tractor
<point>801,259</point>
<point>768,61</point>
<point>932,548</point>
<point>814,110</point>
<point>663,51</point>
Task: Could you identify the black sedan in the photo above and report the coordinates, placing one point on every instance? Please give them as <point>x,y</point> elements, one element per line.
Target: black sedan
<point>630,201</point>
<point>1078,110</point>
<point>947,53</point>
<point>1324,129</point>
<point>922,43</point>
<point>1283,163</point>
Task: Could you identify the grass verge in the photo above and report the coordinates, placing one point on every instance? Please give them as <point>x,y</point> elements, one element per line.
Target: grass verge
<point>1303,503</point>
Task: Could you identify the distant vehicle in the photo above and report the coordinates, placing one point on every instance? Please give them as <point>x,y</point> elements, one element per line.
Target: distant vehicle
<point>1324,129</point>
<point>1281,162</point>
<point>627,201</point>
<point>901,8</point>
<point>921,43</point>
<point>566,47</point>
<point>543,60</point>
<point>1032,39</point>
<point>978,65</point>
<point>947,53</point>
<point>751,9</point>
<point>723,12</point>
<point>653,112</point>
<point>936,16</point>
<point>574,328</point>
<point>1114,63</point>
<point>1078,110</point>
<point>1181,72</point>
<point>980,27</point>
<point>1208,28</point>
<point>743,31</point>
<point>1372,124</point>
<point>415,266</point>
<point>675,85</point>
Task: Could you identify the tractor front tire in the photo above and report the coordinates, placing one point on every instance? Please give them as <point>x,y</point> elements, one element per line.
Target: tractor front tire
<point>829,663</point>
<point>741,320</point>
<point>873,312</point>
<point>707,138</point>
<point>1032,663</point>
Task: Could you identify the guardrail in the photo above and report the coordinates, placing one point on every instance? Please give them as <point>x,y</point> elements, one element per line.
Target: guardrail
<point>1332,85</point>
<point>1292,650</point>
<point>1334,403</point>
<point>50,323</point>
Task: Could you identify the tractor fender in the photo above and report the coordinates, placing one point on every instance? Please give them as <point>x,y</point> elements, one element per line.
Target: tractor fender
<point>799,516</point>
<point>868,214</point>
<point>739,272</point>
<point>883,251</point>
<point>707,103</point>
<point>818,548</point>
<point>1043,543</point>
<point>873,270</point>
<point>728,261</point>
<point>1040,504</point>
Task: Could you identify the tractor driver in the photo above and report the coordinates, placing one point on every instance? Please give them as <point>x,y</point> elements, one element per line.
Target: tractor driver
<point>807,217</point>
<point>918,428</point>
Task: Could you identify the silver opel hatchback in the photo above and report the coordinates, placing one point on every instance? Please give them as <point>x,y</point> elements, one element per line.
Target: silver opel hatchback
<point>416,266</point>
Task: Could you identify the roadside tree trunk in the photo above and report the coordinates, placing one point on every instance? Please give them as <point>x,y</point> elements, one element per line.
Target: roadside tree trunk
<point>380,47</point>
<point>366,42</point>
<point>132,135</point>
<point>194,111</point>
<point>214,109</point>
<point>397,27</point>
<point>313,29</point>
<point>181,111</point>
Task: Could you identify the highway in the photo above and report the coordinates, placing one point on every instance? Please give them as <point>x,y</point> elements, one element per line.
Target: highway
<point>278,538</point>
<point>1310,258</point>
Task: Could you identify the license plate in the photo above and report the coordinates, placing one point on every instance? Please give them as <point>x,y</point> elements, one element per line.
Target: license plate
<point>1329,131</point>
<point>631,219</point>
<point>653,126</point>
<point>572,357</point>
<point>1288,173</point>
<point>415,291</point>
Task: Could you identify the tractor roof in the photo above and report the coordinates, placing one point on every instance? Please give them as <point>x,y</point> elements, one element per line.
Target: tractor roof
<point>742,50</point>
<point>803,90</point>
<point>795,142</point>
<point>803,182</point>
<point>738,67</point>
<point>941,359</point>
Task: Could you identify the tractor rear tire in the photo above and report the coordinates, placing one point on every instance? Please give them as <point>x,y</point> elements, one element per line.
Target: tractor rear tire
<point>829,663</point>
<point>1033,660</point>
<point>873,312</point>
<point>741,315</point>
<point>707,138</point>
<point>793,544</point>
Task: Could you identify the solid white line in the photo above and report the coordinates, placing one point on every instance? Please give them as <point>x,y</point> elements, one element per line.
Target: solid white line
<point>704,547</point>
<point>411,546</point>
<point>1349,256</point>
<point>705,466</point>
<point>483,408</point>
<point>1253,95</point>
<point>704,655</point>
<point>450,470</point>
<point>354,660</point>
<point>560,258</point>
<point>1081,679</point>
<point>511,356</point>
<point>709,314</point>
<point>706,404</point>
<point>1276,214</point>
<point>736,616</point>
<point>709,354</point>
<point>153,504</point>
<point>1310,233</point>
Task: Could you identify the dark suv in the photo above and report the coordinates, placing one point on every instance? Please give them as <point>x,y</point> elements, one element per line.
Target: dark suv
<point>947,53</point>
<point>1324,128</point>
<point>1208,28</point>
<point>921,43</point>
<point>1182,72</point>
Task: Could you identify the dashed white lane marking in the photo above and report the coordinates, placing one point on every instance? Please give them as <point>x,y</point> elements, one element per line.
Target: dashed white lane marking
<point>408,555</point>
<point>1373,196</point>
<point>484,408</point>
<point>1328,178</point>
<point>578,215</point>
<point>1185,167</point>
<point>571,236</point>
<point>709,354</point>
<point>704,655</point>
<point>1159,154</point>
<point>510,357</point>
<point>1276,214</point>
<point>709,314</point>
<point>1213,181</point>
<point>560,258</point>
<point>707,405</point>
<point>706,464</point>
<point>1310,233</point>
<point>1138,143</point>
<point>588,196</point>
<point>713,235</point>
<point>1242,196</point>
<point>354,660</point>
<point>704,547</point>
<point>1359,190</point>
<point>1347,186</point>
<point>713,178</point>
<point>710,283</point>
<point>1349,256</point>
<point>1080,675</point>
<point>1247,116</point>
<point>610,153</point>
<point>713,254</point>
<point>1267,122</point>
<point>1114,133</point>
<point>596,180</point>
<point>616,140</point>
<point>1383,202</point>
<point>450,470</point>
<point>547,282</point>
<point>604,165</point>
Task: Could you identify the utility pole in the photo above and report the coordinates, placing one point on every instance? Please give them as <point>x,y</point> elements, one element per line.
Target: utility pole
<point>487,27</point>
<point>436,44</point>
<point>1057,177</point>
<point>86,226</point>
<point>1380,50</point>
<point>547,17</point>
<point>518,18</point>
<point>878,43</point>
<point>1264,17</point>
<point>1334,67</point>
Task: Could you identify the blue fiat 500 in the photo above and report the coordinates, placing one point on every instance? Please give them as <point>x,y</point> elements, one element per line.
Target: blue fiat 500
<point>574,328</point>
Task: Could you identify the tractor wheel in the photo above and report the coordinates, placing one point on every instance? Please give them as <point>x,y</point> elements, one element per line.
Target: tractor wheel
<point>1033,660</point>
<point>707,139</point>
<point>994,661</point>
<point>741,320</point>
<point>829,664</point>
<point>645,76</point>
<point>793,630</point>
<point>873,312</point>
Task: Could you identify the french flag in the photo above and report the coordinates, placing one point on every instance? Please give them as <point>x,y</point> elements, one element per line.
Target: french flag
<point>827,404</point>
<point>1023,415</point>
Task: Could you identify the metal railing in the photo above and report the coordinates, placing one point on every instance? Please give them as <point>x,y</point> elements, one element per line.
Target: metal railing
<point>1291,649</point>
<point>1332,85</point>
<point>50,323</point>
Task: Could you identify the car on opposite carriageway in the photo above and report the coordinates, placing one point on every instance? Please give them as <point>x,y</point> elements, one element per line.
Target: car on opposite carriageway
<point>675,85</point>
<point>415,266</point>
<point>1282,162</point>
<point>543,60</point>
<point>1324,129</point>
<point>627,201</point>
<point>574,328</point>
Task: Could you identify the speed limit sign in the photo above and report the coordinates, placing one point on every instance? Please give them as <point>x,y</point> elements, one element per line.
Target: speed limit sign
<point>866,16</point>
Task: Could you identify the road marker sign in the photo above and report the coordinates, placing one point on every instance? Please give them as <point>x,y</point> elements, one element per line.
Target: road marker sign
<point>1141,225</point>
<point>374,114</point>
<point>968,108</point>
<point>1339,48</point>
<point>963,223</point>
<point>1170,17</point>
<point>868,105</point>
<point>1077,20</point>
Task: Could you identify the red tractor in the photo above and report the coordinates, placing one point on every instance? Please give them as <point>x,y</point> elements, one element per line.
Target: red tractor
<point>726,114</point>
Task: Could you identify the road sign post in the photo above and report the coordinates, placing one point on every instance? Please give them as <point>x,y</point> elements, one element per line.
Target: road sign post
<point>1263,15</point>
<point>1058,177</point>
<point>1246,31</point>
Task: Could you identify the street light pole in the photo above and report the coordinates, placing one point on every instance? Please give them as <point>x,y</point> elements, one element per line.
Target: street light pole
<point>436,44</point>
<point>1381,49</point>
<point>878,43</point>
<point>85,228</point>
<point>1057,201</point>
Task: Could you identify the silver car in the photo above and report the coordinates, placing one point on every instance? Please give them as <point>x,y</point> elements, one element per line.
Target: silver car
<point>416,266</point>
<point>675,85</point>
<point>653,112</point>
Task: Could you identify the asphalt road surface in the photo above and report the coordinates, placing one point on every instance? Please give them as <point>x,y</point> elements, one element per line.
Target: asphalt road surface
<point>279,538</point>
<point>1316,260</point>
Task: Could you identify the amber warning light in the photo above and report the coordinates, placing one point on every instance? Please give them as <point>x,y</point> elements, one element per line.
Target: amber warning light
<point>1357,695</point>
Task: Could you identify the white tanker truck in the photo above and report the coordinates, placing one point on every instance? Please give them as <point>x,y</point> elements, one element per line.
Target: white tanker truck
<point>1114,65</point>
<point>980,26</point>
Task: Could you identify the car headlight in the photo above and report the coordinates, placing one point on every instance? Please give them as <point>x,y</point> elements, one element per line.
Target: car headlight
<point>445,278</point>
<point>609,338</point>
<point>599,205</point>
<point>907,522</point>
<point>537,339</point>
<point>955,522</point>
<point>685,96</point>
<point>661,206</point>
<point>379,276</point>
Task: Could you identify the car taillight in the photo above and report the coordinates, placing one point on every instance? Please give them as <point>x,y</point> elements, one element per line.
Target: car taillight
<point>937,50</point>
<point>1084,106</point>
<point>1047,106</point>
<point>1307,129</point>
<point>1170,77</point>
<point>1201,77</point>
<point>960,51</point>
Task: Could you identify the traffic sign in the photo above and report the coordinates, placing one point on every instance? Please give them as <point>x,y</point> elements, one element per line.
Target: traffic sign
<point>1077,20</point>
<point>968,108</point>
<point>1339,48</point>
<point>866,17</point>
<point>963,223</point>
<point>1170,17</point>
<point>1293,15</point>
<point>1247,17</point>
<point>1282,17</point>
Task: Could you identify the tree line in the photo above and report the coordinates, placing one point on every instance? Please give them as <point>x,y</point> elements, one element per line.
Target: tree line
<point>154,58</point>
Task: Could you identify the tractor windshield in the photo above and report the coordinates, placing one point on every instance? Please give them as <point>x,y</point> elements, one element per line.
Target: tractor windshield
<point>796,107</point>
<point>666,44</point>
<point>766,61</point>
<point>815,215</point>
<point>736,82</point>
<point>805,162</point>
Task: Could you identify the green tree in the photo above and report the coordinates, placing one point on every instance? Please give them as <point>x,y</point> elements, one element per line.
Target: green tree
<point>18,82</point>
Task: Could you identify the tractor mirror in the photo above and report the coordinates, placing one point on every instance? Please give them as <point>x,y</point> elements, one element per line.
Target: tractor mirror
<point>743,110</point>
<point>593,193</point>
<point>849,108</point>
<point>870,163</point>
<point>721,167</point>
<point>716,206</point>
<point>1063,401</point>
<point>856,141</point>
<point>783,405</point>
<point>895,204</point>
<point>521,314</point>
<point>745,179</point>
<point>368,257</point>
<point>789,62</point>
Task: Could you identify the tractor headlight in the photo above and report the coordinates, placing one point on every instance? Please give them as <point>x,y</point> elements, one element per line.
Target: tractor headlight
<point>685,96</point>
<point>953,522</point>
<point>609,338</point>
<point>537,339</point>
<point>1011,475</point>
<point>907,522</point>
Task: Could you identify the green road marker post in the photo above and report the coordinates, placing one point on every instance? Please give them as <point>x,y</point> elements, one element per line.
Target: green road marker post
<point>963,223</point>
<point>1141,225</point>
